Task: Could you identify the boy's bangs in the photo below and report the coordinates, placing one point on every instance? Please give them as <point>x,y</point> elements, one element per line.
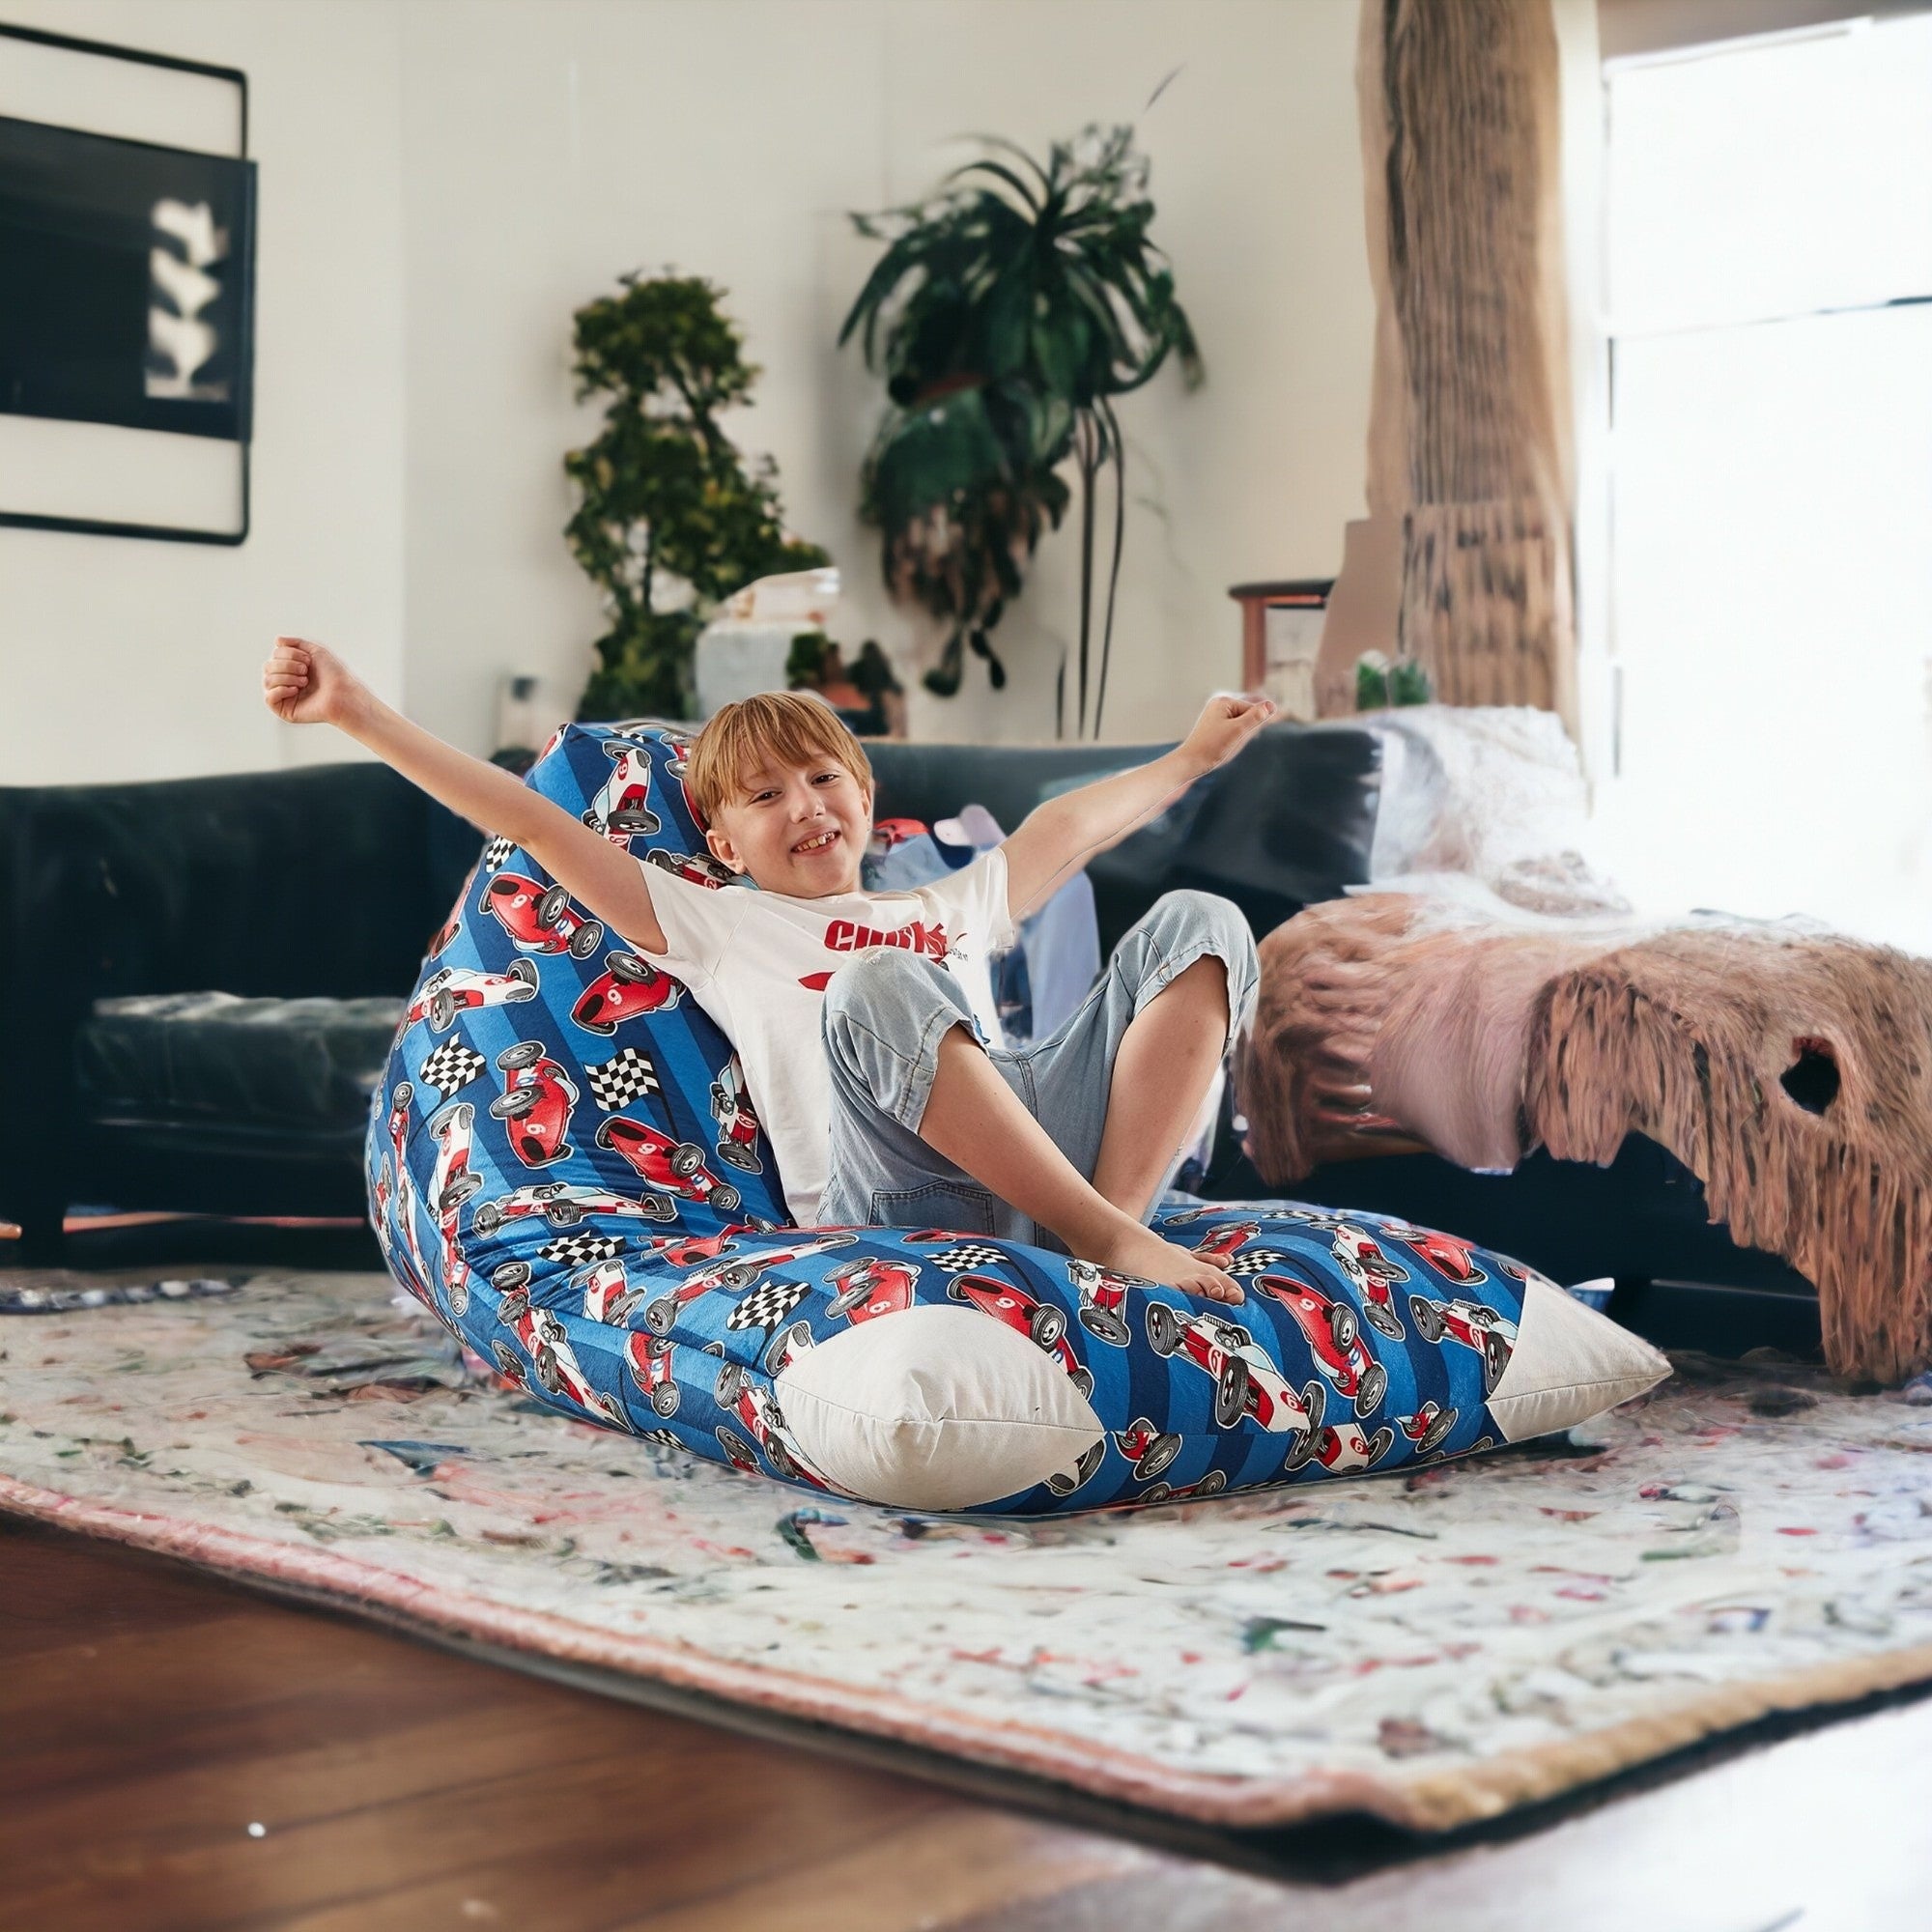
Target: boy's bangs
<point>778,725</point>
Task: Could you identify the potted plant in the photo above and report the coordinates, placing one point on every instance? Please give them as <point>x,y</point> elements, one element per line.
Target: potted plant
<point>670,518</point>
<point>1008,314</point>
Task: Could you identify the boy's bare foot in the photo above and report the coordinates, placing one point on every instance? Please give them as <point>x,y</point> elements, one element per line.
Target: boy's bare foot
<point>1140,1252</point>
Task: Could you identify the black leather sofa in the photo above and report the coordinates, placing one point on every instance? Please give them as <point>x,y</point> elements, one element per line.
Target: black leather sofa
<point>302,902</point>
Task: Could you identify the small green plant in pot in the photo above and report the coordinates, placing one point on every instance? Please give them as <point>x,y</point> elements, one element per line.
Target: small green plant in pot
<point>669,518</point>
<point>1008,314</point>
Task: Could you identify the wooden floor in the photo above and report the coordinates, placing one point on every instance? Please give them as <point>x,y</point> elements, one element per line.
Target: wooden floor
<point>178,1752</point>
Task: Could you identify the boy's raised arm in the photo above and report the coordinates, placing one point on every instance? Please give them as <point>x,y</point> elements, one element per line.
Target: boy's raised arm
<point>308,684</point>
<point>1058,838</point>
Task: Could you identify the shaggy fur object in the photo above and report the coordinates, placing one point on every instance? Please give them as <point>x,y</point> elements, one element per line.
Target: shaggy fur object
<point>1791,1071</point>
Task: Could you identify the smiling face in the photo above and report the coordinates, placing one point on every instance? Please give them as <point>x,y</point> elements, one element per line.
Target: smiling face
<point>787,792</point>
<point>796,828</point>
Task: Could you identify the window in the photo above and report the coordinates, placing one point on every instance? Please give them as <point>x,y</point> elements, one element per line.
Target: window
<point>1769,296</point>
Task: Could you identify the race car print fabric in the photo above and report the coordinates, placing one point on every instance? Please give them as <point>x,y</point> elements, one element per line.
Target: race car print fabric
<point>565,1166</point>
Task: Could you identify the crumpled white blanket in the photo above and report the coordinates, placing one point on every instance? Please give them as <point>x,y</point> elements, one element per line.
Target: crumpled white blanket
<point>1493,794</point>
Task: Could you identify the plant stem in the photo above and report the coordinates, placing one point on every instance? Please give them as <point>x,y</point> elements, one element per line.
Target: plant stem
<point>1088,465</point>
<point>1114,571</point>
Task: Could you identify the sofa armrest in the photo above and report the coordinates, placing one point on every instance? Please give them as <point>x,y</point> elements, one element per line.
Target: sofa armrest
<point>325,880</point>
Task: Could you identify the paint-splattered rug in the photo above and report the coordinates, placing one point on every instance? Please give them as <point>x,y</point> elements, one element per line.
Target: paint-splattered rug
<point>1433,1648</point>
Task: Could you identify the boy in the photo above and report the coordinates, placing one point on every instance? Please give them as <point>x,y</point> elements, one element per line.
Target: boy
<point>860,1017</point>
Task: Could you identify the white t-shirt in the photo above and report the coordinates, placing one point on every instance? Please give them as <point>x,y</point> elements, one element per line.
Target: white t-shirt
<point>758,963</point>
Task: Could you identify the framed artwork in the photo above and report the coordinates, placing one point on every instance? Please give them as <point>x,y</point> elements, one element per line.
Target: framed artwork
<point>127,292</point>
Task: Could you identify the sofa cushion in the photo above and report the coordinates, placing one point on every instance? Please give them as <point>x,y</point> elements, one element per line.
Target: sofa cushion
<point>1289,822</point>
<point>213,1056</point>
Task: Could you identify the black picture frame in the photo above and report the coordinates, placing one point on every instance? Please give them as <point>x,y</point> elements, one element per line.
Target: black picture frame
<point>78,160</point>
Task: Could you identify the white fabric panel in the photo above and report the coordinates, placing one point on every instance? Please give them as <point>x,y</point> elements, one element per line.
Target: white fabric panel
<point>935,1409</point>
<point>1569,1364</point>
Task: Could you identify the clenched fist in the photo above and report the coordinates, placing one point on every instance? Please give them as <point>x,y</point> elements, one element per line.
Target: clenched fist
<point>1224,726</point>
<point>307,684</point>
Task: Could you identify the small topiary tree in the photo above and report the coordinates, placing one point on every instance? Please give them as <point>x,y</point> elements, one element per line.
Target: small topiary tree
<point>669,518</point>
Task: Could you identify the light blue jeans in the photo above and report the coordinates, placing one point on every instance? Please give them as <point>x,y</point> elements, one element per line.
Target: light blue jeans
<point>886,1014</point>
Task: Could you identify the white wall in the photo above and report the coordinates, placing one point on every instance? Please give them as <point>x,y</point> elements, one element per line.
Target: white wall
<point>552,144</point>
<point>131,659</point>
<point>441,185</point>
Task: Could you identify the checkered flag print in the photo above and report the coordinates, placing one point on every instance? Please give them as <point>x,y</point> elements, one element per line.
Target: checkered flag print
<point>967,1256</point>
<point>662,1437</point>
<point>496,855</point>
<point>627,1076</point>
<point>768,1304</point>
<point>575,1250</point>
<point>451,1065</point>
<point>1256,1260</point>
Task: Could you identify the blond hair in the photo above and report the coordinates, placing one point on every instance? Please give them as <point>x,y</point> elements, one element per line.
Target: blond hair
<point>791,726</point>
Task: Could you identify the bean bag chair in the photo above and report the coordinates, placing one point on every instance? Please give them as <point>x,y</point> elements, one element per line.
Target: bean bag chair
<point>565,1167</point>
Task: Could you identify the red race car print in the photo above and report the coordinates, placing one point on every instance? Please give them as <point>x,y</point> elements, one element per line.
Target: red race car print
<point>1444,1252</point>
<point>733,1271</point>
<point>873,1287</point>
<point>535,1104</point>
<point>401,1096</point>
<point>442,936</point>
<point>1209,1485</point>
<point>621,811</point>
<point>1063,1482</point>
<point>676,1167</point>
<point>756,1408</point>
<point>1188,1217</point>
<point>695,867</point>
<point>785,1348</point>
<point>1218,1244</point>
<point>1148,1449</point>
<point>1472,1324</point>
<point>1103,1300</point>
<point>1247,1384</point>
<point>1429,1427</point>
<point>1345,1450</point>
<point>649,1363</point>
<point>452,1182</point>
<point>1310,1217</point>
<point>629,985</point>
<point>398,1123</point>
<point>737,1125</point>
<point>640,731</point>
<point>1042,1324</point>
<point>608,1293</point>
<point>683,1251</point>
<point>540,917</point>
<point>457,989</point>
<point>552,1361</point>
<point>407,1263</point>
<point>1372,1275</point>
<point>564,1206</point>
<point>1334,1337</point>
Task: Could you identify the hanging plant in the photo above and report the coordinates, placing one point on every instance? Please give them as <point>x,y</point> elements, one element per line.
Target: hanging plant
<point>1006,314</point>
<point>669,518</point>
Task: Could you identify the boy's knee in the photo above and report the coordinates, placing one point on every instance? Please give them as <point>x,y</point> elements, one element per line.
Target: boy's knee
<point>1206,925</point>
<point>890,997</point>
<point>1185,919</point>
<point>882,1021</point>
<point>882,983</point>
